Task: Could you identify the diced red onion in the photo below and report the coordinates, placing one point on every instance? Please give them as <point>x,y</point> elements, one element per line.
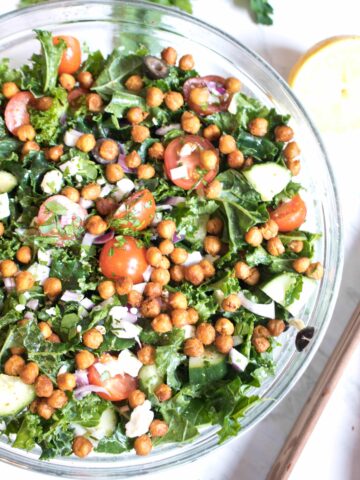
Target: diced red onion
<point>62,119</point>
<point>87,303</point>
<point>81,378</point>
<point>106,190</point>
<point>178,238</point>
<point>266,310</point>
<point>71,137</point>
<point>9,283</point>
<point>100,239</point>
<point>80,392</point>
<point>121,160</point>
<point>147,273</point>
<point>192,259</point>
<point>69,296</point>
<point>173,201</point>
<point>33,304</point>
<point>86,203</point>
<point>237,340</point>
<point>215,88</point>
<point>161,208</point>
<point>29,315</point>
<point>238,360</point>
<point>139,287</point>
<point>88,239</point>
<point>164,130</point>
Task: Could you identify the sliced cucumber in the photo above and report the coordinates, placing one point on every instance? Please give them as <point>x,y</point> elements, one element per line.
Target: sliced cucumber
<point>268,179</point>
<point>277,287</point>
<point>15,395</point>
<point>106,426</point>
<point>7,181</point>
<point>210,367</point>
<point>149,378</point>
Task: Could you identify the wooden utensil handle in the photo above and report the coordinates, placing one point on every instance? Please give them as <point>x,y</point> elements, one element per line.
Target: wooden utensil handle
<point>319,397</point>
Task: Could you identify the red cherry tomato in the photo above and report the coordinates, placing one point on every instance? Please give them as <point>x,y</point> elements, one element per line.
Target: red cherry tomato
<point>16,113</point>
<point>137,212</point>
<point>290,215</point>
<point>123,258</point>
<point>118,387</point>
<point>71,59</point>
<point>219,98</point>
<point>174,158</point>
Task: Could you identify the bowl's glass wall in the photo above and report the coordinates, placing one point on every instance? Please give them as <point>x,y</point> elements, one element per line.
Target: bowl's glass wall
<point>105,24</point>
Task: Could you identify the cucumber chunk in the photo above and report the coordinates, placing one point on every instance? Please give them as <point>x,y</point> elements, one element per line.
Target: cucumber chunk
<point>277,287</point>
<point>268,179</point>
<point>210,367</point>
<point>7,181</point>
<point>149,379</point>
<point>15,395</point>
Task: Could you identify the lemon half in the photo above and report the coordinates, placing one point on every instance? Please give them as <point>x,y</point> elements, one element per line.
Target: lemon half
<point>327,81</point>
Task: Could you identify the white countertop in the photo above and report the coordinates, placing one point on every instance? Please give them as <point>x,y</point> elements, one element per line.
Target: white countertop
<point>332,453</point>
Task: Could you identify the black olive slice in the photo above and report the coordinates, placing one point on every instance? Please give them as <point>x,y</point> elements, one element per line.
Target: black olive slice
<point>303,338</point>
<point>154,67</point>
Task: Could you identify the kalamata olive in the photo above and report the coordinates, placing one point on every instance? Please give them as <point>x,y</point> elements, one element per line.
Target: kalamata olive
<point>303,338</point>
<point>154,67</point>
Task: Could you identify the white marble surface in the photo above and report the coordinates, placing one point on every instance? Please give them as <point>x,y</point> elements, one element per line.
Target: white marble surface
<point>332,451</point>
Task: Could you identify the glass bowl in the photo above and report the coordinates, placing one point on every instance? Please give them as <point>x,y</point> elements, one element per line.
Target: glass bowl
<point>104,24</point>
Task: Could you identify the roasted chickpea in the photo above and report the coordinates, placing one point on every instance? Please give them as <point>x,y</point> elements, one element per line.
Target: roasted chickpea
<point>235,159</point>
<point>58,399</point>
<point>133,159</point>
<point>249,161</point>
<point>45,329</point>
<point>23,255</point>
<point>212,245</point>
<point>242,270</point>
<point>84,359</point>
<point>153,256</point>
<point>114,172</point>
<point>193,316</point>
<point>109,150</point>
<point>81,446</point>
<point>213,190</point>
<point>174,101</point>
<point>208,160</point>
<point>275,327</point>
<point>25,133</point>
<point>135,115</point>
<point>260,331</point>
<point>258,127</point>
<point>85,79</point>
<point>14,365</point>
<point>134,83</point>
<point>177,273</point>
<point>154,97</point>
<point>160,275</point>
<point>179,317</point>
<point>190,123</point>
<point>296,246</point>
<point>106,289</point>
<point>254,237</point>
<point>106,206</point>
<point>179,255</point>
<point>43,386</point>
<point>139,133</point>
<point>194,274</point>
<point>178,300</point>
<point>136,398</point>
<point>231,303</point>
<point>150,308</point>
<point>291,151</point>
<point>86,142</point>
<point>212,133</point>
<point>34,405</point>
<point>91,191</point>
<point>158,428</point>
<point>44,410</point>
<point>54,338</point>
<point>208,268</point>
<point>145,171</point>
<point>224,343</point>
<point>67,81</point>
<point>186,62</point>
<point>162,323</point>
<point>29,147</point>
<point>223,326</point>
<point>123,285</point>
<point>147,355</point>
<point>232,85</point>
<point>134,298</point>
<point>315,271</point>
<point>193,347</point>
<point>205,332</point>
<point>166,247</point>
<point>55,153</point>
<point>294,166</point>
<point>254,277</point>
<point>169,55</point>
<point>261,344</point>
<point>283,133</point>
<point>142,445</point>
<point>94,102</point>
<point>166,229</point>
<point>92,338</point>
<point>275,246</point>
<point>301,264</point>
<point>9,89</point>
<point>214,226</point>
<point>164,263</point>
<point>52,287</point>
<point>156,151</point>
<point>227,144</point>
<point>153,290</point>
<point>24,281</point>
<point>29,373</point>
<point>71,193</point>
<point>2,230</point>
<point>66,381</point>
<point>199,96</point>
<point>163,392</point>
<point>269,230</point>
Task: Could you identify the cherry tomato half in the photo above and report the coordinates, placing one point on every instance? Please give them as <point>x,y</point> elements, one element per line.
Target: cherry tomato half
<point>219,98</point>
<point>185,151</point>
<point>16,113</point>
<point>71,58</point>
<point>290,215</point>
<point>123,258</point>
<point>118,387</point>
<point>137,212</point>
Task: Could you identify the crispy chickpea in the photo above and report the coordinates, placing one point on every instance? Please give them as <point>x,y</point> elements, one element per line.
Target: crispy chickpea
<point>136,398</point>
<point>224,343</point>
<point>58,399</point>
<point>145,171</point>
<point>26,133</point>
<point>212,245</point>
<point>153,290</point>
<point>207,268</point>
<point>275,246</point>
<point>133,159</point>
<point>213,190</point>
<point>294,166</point>
<point>123,285</point>
<point>160,275</point>
<point>199,95</point>
<point>109,150</point>
<point>301,264</point>
<point>84,359</point>
<point>179,317</point>
<point>169,55</point>
<point>43,103</point>
<point>231,303</point>
<point>291,151</point>
<point>150,308</point>
<point>275,327</point>
<point>17,350</point>
<point>193,347</point>
<point>296,246</point>
<point>260,331</point>
<point>67,81</point>
<point>258,127</point>
<point>315,271</point>
<point>71,193</point>
<point>43,386</point>
<point>235,159</point>
<point>8,268</point>
<point>254,237</point>
<point>92,338</point>
<point>81,446</point>
<point>158,428</point>
<point>178,300</point>
<point>214,226</point>
<point>156,151</point>
<point>177,273</point>
<point>34,405</point>
<point>153,256</point>
<point>227,144</point>
<point>249,161</point>
<point>44,410</point>
<point>94,102</point>
<point>96,225</point>
<point>269,230</point>
<point>186,62</point>
<point>193,316</point>
<point>24,281</point>
<point>154,97</point>
<point>283,133</point>
<point>91,191</point>
<point>86,142</point>
<point>194,274</point>
<point>212,133</point>
<point>261,344</point>
<point>224,326</point>
<point>66,381</point>
<point>205,332</point>
<point>54,338</point>
<point>139,133</point>
<point>142,445</point>
<point>179,255</point>
<point>166,247</point>
<point>242,270</point>
<point>85,79</point>
<point>52,287</point>
<point>164,263</point>
<point>30,146</point>
<point>23,255</point>
<point>114,172</point>
<point>55,153</point>
<point>166,229</point>
<point>135,115</point>
<point>232,85</point>
<point>190,123</point>
<point>147,355</point>
<point>29,373</point>
<point>162,323</point>
<point>134,83</point>
<point>253,277</point>
<point>208,160</point>
<point>9,89</point>
<point>134,298</point>
<point>174,101</point>
<point>14,365</point>
<point>163,392</point>
<point>45,329</point>
<point>2,229</point>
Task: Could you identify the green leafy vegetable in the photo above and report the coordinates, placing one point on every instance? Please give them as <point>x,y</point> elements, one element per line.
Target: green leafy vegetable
<point>262,11</point>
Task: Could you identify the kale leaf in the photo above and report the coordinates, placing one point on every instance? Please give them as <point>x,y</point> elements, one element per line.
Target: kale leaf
<point>262,11</point>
